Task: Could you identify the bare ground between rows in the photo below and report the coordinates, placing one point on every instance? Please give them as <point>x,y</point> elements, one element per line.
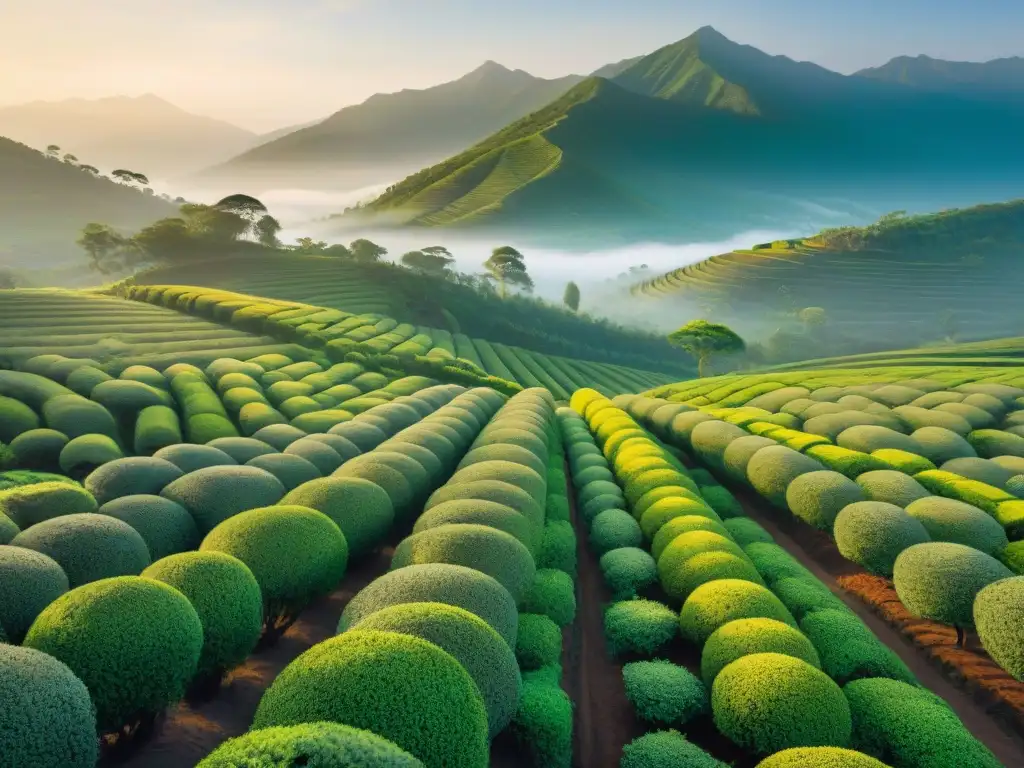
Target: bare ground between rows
<point>816,551</point>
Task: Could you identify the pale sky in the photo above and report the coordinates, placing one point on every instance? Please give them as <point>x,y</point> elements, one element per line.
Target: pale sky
<point>264,64</point>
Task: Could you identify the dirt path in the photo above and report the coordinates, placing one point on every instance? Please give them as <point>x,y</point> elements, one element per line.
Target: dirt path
<point>190,732</point>
<point>817,552</point>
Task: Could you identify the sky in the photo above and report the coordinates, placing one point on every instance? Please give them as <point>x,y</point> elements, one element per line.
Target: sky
<point>264,65</point>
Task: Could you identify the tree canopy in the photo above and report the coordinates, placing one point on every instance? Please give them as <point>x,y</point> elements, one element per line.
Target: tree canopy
<point>367,250</point>
<point>508,266</point>
<point>432,260</point>
<point>571,297</point>
<point>704,340</point>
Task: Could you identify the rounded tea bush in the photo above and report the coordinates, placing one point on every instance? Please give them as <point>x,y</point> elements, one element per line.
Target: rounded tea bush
<point>488,513</point>
<point>999,615</point>
<point>666,749</point>
<point>553,594</point>
<point>242,449</point>
<point>665,510</point>
<point>85,453</point>
<point>324,745</point>
<point>321,455</point>
<point>28,505</point>
<point>940,581</point>
<point>470,640</point>
<point>767,702</point>
<point>455,585</point>
<point>891,487</point>
<point>132,667</point>
<point>743,637</point>
<point>374,680</point>
<point>706,567</point>
<point>613,529</point>
<point>848,649</point>
<point>227,599</point>
<point>191,458</point>
<point>361,509</point>
<point>686,545</point>
<point>29,581</point>
<point>38,449</point>
<point>165,526</point>
<point>739,453</point>
<point>291,470</point>
<point>995,442</point>
<point>772,469</point>
<point>664,693</point>
<point>494,552</point>
<point>745,531</point>
<point>641,627</point>
<point>983,470</point>
<point>130,477</point>
<point>820,757</point>
<point>215,494</point>
<point>960,523</point>
<point>393,482</point>
<point>818,497</point>
<point>539,642</point>
<point>677,526</point>
<point>628,571</point>
<point>868,438</point>
<point>716,603</point>
<point>48,718</point>
<point>940,445</point>
<point>280,436</point>
<point>88,547</point>
<point>296,554</point>
<point>873,534</point>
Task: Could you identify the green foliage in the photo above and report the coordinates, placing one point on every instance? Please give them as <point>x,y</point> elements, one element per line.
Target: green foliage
<point>455,585</point>
<point>553,594</point>
<point>677,526</point>
<point>774,563</point>
<point>296,554</point>
<point>166,527</point>
<point>743,637</point>
<point>939,580</point>
<point>328,460</point>
<point>745,531</point>
<point>891,487</point>
<point>38,449</point>
<point>664,693</point>
<point>470,640</point>
<point>75,416</point>
<point>628,571</point>
<point>994,442</point>
<point>940,445</point>
<point>803,595</point>
<point>216,494</point>
<point>849,650</point>
<point>30,504</point>
<point>820,757</point>
<point>614,529</point>
<point>718,602</point>
<point>373,680</point>
<point>998,614</point>
<point>361,509</point>
<point>703,339</point>
<point>292,471</point>
<point>543,724</point>
<point>156,427</point>
<point>539,642</point>
<point>849,463</point>
<point>486,513</point>
<point>191,458</point>
<point>15,419</point>
<point>130,477</point>
<point>873,534</point>
<point>29,581</point>
<point>772,469</point>
<point>48,718</point>
<point>639,627</point>
<point>954,521</point>
<point>8,530</point>
<point>132,668</point>
<point>325,745</point>
<point>908,462</point>
<point>665,749</point>
<point>818,497</point>
<point>906,725</point>
<point>558,547</point>
<point>766,702</point>
<point>85,453</point>
<point>227,599</point>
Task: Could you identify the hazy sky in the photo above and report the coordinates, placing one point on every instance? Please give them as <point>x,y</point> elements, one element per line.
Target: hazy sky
<point>265,64</point>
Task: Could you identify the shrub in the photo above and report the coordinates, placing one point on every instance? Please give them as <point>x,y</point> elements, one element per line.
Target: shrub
<point>131,477</point>
<point>470,640</point>
<point>85,453</point>
<point>75,416</point>
<point>539,641</point>
<point>558,547</point>
<point>372,680</point>
<point>820,757</point>
<point>873,533</point>
<point>745,531</point>
<point>48,718</point>
<point>319,454</point>
<point>8,530</point>
<point>849,650</point>
<point>939,445</point>
<point>663,511</point>
<point>774,563</point>
<point>995,442</point>
<point>831,425</point>
<point>391,480</point>
<point>665,749</point>
<point>133,669</point>
<point>314,549</point>
<point>553,594</point>
<point>557,508</point>
<point>639,627</point>
<point>330,745</point>
<point>718,602</point>
<point>191,458</point>
<point>998,614</point>
<point>939,580</point>
<point>242,449</point>
<point>88,547</point>
<point>497,491</point>
<point>628,571</point>
<point>685,546</point>
<point>279,436</point>
<point>891,487</point>
<point>926,418</point>
<point>543,724</point>
<point>654,478</point>
<point>489,550</point>
<point>907,725</point>
<point>772,469</point>
<point>818,497</point>
<point>710,439</point>
<point>849,463</point>
<point>1013,557</point>
<point>766,702</point>
<point>662,692</point>
<point>227,599</point>
<point>292,471</point>
<point>903,461</point>
<point>960,523</point>
<point>29,581</point>
<point>867,438</point>
<point>721,501</point>
<point>31,504</point>
<point>743,637</point>
<point>165,526</point>
<point>364,435</point>
<point>15,419</point>
<point>803,595</point>
<point>488,513</point>
<point>983,470</point>
<point>739,453</point>
<point>215,494</point>
<point>38,449</point>
<point>455,585</point>
<point>613,529</point>
<point>361,509</point>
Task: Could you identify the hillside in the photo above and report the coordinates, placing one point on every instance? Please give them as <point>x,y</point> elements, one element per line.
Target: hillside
<point>44,203</point>
<point>901,282</point>
<point>999,76</point>
<point>396,132</point>
<point>705,138</point>
<point>146,133</point>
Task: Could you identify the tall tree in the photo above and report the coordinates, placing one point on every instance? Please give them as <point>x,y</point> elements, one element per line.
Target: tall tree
<point>105,246</point>
<point>53,150</point>
<point>508,266</point>
<point>167,240</point>
<point>90,169</point>
<point>266,230</point>
<point>309,246</point>
<point>432,260</point>
<point>703,340</point>
<point>70,159</point>
<point>367,251</point>
<point>247,207</point>
<point>571,297</point>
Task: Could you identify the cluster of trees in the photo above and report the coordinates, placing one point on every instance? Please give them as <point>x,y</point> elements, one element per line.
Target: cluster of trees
<point>124,176</point>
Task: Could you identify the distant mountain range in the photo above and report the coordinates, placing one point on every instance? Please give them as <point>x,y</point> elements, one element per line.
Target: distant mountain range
<point>704,138</point>
<point>1000,76</point>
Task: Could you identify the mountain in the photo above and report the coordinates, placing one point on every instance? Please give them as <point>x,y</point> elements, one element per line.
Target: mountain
<point>44,203</point>
<point>144,133</point>
<point>999,76</point>
<point>395,133</point>
<point>615,68</point>
<point>705,138</point>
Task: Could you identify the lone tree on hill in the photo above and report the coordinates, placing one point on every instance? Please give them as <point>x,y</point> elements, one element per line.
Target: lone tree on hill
<point>571,297</point>
<point>266,230</point>
<point>130,178</point>
<point>105,246</point>
<point>507,265</point>
<point>367,251</point>
<point>242,205</point>
<point>703,340</point>
<point>433,260</point>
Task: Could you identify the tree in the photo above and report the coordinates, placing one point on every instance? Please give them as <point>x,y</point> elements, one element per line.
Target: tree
<point>338,251</point>
<point>70,159</point>
<point>167,239</point>
<point>246,207</point>
<point>814,319</point>
<point>307,245</point>
<point>53,150</point>
<point>704,340</point>
<point>367,251</point>
<point>90,169</point>
<point>507,265</point>
<point>129,178</point>
<point>213,224</point>
<point>571,297</point>
<point>266,230</point>
<point>106,247</point>
<point>432,260</point>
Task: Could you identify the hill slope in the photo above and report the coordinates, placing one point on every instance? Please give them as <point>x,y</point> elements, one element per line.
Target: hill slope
<point>397,132</point>
<point>903,281</point>
<point>706,137</point>
<point>146,134</point>
<point>999,76</point>
<point>44,203</point>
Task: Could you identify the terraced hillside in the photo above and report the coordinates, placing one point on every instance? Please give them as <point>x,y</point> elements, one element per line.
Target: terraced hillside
<point>996,352</point>
<point>904,280</point>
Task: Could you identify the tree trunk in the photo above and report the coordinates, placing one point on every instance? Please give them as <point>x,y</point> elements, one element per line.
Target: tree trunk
<point>701,366</point>
<point>961,637</point>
